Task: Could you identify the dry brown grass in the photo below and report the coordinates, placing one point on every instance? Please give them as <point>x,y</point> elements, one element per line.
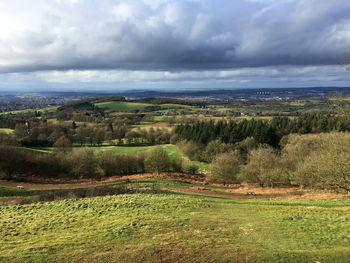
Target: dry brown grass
<point>42,183</point>
<point>316,195</point>
<point>266,190</point>
<point>304,193</point>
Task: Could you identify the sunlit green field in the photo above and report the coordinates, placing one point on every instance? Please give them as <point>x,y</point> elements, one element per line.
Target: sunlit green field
<point>166,117</point>
<point>147,127</point>
<point>53,108</point>
<point>173,226</point>
<point>7,131</point>
<point>122,105</point>
<point>172,150</point>
<point>125,106</point>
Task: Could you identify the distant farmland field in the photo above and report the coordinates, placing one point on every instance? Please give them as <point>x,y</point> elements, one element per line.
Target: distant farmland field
<point>125,106</point>
<point>53,108</point>
<point>122,106</point>
<point>172,150</point>
<point>7,131</point>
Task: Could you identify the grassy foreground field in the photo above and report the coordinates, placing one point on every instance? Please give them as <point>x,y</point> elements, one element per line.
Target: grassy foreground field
<point>170,225</point>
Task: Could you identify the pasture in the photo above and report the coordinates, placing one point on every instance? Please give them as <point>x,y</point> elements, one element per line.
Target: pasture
<point>155,126</point>
<point>5,130</point>
<point>172,150</point>
<point>125,106</point>
<point>49,109</point>
<point>169,224</point>
<point>122,106</point>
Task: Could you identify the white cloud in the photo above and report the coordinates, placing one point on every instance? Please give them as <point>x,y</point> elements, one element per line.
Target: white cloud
<point>92,41</point>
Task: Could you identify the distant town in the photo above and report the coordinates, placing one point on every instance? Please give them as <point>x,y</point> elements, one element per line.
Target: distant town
<point>21,101</point>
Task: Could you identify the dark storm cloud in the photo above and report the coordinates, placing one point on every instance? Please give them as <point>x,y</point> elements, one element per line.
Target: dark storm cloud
<point>171,35</point>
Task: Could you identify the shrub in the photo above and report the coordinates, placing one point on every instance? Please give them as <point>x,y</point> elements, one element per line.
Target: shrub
<point>190,167</point>
<point>108,163</point>
<point>225,168</point>
<point>84,164</point>
<point>215,148</point>
<point>63,143</point>
<point>193,151</point>
<point>296,148</point>
<point>264,167</point>
<point>176,164</point>
<point>157,160</point>
<point>318,160</point>
<point>327,165</point>
<point>12,160</point>
<point>327,168</point>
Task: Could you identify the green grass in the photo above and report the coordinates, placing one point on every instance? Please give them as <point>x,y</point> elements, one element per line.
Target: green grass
<point>6,192</point>
<point>147,127</point>
<point>53,108</point>
<point>122,106</point>
<point>167,117</point>
<point>7,131</point>
<point>176,227</point>
<point>175,106</point>
<point>172,150</point>
<point>40,149</point>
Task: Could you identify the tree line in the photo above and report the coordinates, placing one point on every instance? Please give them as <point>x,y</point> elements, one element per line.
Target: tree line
<point>263,131</point>
<point>45,134</point>
<point>85,163</point>
<point>309,160</point>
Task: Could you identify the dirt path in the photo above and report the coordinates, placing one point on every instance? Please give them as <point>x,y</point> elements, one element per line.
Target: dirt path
<point>10,201</point>
<point>204,191</point>
<point>195,179</point>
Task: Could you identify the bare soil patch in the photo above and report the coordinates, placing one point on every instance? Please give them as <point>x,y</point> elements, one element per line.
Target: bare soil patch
<point>290,192</point>
<point>202,190</point>
<point>234,191</point>
<point>40,183</point>
<point>266,190</point>
<point>158,124</point>
<point>278,193</point>
<point>10,201</point>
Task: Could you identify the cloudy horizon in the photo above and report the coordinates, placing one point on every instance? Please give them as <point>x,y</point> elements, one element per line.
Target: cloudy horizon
<point>173,44</point>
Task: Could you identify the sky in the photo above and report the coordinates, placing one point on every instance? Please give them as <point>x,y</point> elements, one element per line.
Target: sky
<point>116,45</point>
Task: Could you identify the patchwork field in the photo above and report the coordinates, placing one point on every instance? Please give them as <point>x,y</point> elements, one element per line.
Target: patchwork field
<point>122,106</point>
<point>53,108</point>
<point>167,224</point>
